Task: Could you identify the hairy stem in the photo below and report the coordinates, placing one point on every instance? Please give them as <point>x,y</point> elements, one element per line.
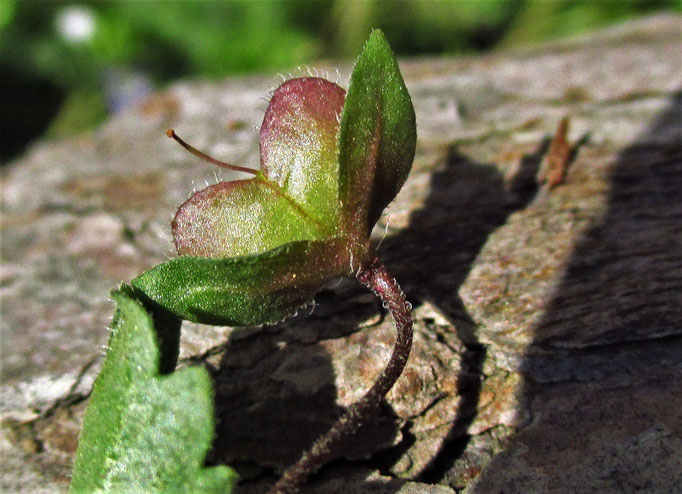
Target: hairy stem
<point>377,279</point>
<point>200,154</point>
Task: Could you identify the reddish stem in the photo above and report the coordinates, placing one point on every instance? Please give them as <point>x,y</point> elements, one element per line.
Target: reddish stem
<point>377,279</point>
<point>171,133</point>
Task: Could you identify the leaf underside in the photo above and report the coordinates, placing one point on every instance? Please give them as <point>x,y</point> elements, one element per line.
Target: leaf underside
<point>144,432</point>
<point>248,290</point>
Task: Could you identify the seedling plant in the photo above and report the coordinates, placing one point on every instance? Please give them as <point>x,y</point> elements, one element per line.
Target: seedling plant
<point>253,252</point>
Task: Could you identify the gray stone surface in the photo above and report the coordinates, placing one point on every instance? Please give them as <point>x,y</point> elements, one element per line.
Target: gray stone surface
<point>548,322</point>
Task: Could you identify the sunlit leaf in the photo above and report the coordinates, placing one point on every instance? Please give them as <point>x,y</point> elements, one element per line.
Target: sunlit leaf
<point>298,140</point>
<point>377,137</point>
<point>295,195</point>
<point>242,217</point>
<point>247,290</point>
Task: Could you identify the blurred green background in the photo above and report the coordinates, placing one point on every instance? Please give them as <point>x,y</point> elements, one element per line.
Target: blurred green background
<point>65,66</point>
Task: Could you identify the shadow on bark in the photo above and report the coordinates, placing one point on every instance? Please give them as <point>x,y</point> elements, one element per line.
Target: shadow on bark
<point>430,259</point>
<point>616,312</point>
<point>276,394</point>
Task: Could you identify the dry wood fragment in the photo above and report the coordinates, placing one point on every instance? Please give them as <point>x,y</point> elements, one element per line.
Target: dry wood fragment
<point>553,169</point>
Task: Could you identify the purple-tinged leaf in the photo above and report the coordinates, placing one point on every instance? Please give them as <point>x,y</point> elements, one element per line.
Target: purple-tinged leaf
<point>298,142</point>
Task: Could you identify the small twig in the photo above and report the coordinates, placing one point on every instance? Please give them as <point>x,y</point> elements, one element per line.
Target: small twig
<point>377,279</point>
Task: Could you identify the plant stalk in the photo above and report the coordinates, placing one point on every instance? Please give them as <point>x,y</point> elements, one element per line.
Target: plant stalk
<point>376,278</point>
<point>200,154</point>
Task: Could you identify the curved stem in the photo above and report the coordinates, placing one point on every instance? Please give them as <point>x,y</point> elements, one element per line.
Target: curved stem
<point>377,279</point>
<point>199,154</point>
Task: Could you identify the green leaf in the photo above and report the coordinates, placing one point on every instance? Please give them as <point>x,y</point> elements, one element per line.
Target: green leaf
<point>248,290</point>
<point>144,432</point>
<point>377,138</point>
<point>242,217</point>
<point>295,195</point>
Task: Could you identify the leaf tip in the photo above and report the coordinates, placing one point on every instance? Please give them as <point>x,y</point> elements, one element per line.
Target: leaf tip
<point>377,42</point>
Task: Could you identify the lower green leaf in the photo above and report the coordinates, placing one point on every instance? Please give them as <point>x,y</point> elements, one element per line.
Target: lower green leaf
<point>243,291</point>
<point>144,432</point>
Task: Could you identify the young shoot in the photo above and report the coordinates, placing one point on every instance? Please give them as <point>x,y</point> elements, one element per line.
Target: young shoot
<point>253,251</point>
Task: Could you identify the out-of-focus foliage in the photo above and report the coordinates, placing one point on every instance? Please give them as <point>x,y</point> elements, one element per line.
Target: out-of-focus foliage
<point>81,60</point>
<point>543,19</point>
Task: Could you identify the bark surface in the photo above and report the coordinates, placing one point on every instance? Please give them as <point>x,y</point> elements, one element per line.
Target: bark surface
<point>548,322</point>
